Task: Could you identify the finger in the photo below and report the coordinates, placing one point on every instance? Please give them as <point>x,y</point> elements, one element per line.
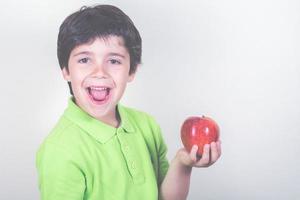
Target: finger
<point>205,159</point>
<point>214,152</point>
<point>193,153</point>
<point>219,147</point>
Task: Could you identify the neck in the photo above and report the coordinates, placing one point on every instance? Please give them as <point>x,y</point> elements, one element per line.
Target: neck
<point>113,120</point>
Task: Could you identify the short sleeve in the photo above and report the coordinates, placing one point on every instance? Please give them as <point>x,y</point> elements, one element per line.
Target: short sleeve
<point>163,164</point>
<point>59,176</point>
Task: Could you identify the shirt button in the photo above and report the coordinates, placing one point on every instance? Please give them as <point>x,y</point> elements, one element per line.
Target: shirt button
<point>133,165</point>
<point>126,147</point>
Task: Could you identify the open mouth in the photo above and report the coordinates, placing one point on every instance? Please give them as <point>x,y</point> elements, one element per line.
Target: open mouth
<point>98,95</point>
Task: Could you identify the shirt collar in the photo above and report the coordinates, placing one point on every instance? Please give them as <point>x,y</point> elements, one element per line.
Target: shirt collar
<point>126,125</point>
<point>96,128</point>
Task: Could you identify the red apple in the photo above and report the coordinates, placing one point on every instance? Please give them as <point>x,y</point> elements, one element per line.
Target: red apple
<point>199,131</point>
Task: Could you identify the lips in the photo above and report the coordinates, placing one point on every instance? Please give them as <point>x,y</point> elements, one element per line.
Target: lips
<point>98,94</point>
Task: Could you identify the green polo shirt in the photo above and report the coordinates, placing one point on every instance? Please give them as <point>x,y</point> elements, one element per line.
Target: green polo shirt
<point>83,158</point>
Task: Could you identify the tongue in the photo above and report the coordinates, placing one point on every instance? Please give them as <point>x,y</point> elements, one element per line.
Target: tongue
<point>98,95</point>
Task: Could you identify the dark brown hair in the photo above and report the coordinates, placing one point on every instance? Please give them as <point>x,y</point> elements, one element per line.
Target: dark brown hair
<point>90,23</point>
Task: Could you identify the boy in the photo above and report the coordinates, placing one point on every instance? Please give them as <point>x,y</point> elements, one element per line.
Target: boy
<point>100,149</point>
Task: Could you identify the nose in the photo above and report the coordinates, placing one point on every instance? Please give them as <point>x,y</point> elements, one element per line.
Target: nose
<point>100,71</point>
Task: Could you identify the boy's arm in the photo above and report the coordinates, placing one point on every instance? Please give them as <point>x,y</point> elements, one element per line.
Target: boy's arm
<point>59,176</point>
<point>175,185</point>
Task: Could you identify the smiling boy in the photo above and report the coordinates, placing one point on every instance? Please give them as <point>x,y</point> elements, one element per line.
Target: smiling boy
<point>99,72</point>
<point>100,149</point>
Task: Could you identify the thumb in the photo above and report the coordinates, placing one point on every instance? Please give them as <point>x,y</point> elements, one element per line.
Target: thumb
<point>193,153</point>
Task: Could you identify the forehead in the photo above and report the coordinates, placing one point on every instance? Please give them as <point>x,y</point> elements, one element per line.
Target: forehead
<point>99,44</point>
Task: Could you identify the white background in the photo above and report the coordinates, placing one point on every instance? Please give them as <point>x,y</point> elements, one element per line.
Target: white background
<point>235,61</point>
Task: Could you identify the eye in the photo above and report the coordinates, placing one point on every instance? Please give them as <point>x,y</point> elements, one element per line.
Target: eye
<point>84,60</point>
<point>115,61</point>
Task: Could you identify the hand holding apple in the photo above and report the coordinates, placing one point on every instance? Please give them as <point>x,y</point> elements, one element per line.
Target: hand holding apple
<point>199,131</point>
<point>211,153</point>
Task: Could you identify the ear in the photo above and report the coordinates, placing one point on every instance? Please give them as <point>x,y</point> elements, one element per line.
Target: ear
<point>66,74</point>
<point>131,76</point>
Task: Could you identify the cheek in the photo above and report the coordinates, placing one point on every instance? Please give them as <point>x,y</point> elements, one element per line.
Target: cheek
<point>123,78</point>
<point>77,75</point>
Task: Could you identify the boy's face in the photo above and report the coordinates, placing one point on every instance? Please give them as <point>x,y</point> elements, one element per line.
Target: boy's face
<point>98,72</point>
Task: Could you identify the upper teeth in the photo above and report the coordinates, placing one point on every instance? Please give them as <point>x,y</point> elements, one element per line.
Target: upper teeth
<point>98,88</point>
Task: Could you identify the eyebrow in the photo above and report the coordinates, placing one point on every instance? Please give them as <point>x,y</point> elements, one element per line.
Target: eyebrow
<point>90,53</point>
<point>82,52</point>
<point>116,54</point>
